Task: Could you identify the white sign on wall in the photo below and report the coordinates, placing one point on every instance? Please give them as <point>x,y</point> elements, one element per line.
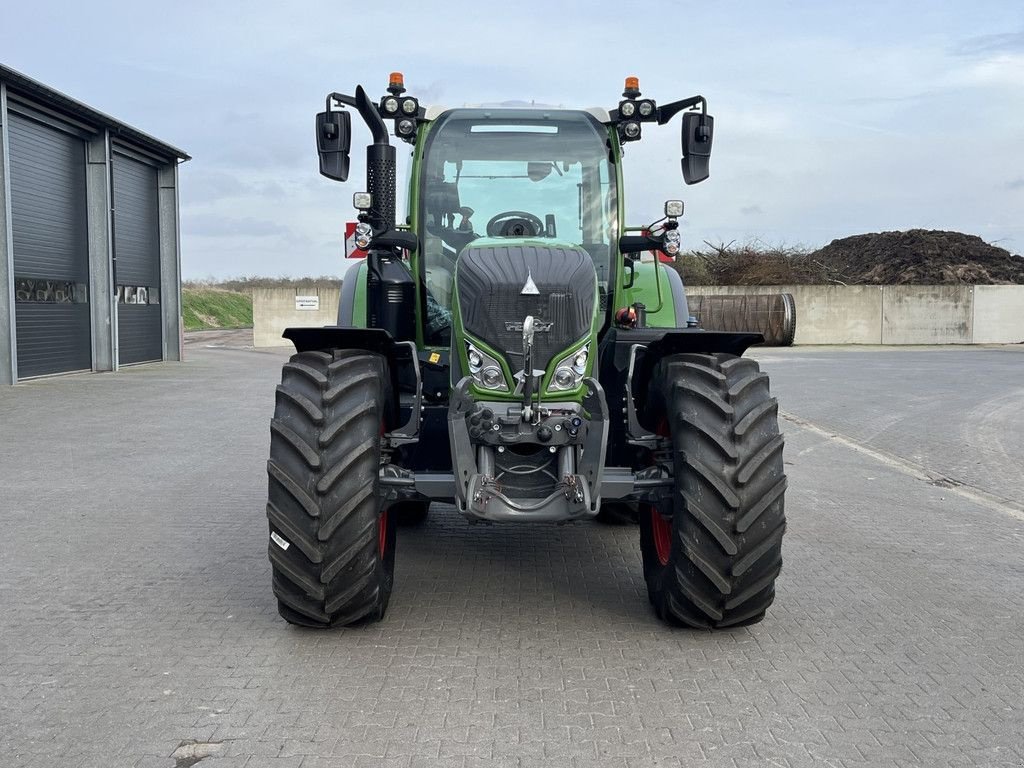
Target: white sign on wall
<point>309,303</point>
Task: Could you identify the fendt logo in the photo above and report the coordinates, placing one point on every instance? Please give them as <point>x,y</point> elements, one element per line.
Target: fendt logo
<point>530,289</point>
<point>539,326</point>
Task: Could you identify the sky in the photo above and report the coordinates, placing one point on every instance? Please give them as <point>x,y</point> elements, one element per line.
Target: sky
<point>831,118</point>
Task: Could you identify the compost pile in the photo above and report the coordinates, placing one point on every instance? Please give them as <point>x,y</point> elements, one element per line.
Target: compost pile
<point>918,256</point>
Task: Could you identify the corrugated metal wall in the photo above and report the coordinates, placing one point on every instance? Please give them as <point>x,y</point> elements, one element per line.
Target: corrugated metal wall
<point>137,260</point>
<point>51,253</point>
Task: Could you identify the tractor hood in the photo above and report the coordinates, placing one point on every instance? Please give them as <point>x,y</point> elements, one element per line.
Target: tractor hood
<point>499,281</point>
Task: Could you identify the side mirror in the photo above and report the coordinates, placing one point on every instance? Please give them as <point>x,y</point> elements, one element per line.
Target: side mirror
<point>333,141</point>
<point>698,129</point>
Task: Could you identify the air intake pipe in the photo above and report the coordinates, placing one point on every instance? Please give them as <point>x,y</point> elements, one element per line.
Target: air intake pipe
<point>390,289</point>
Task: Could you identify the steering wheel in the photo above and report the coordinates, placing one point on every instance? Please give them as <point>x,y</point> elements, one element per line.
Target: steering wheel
<point>515,224</point>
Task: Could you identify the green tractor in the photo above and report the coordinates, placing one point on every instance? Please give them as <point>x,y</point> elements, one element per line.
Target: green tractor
<point>512,349</point>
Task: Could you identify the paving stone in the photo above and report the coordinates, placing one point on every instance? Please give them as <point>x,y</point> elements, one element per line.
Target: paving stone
<point>137,611</point>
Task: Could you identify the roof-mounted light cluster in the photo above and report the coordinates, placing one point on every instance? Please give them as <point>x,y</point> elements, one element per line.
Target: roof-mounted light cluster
<point>404,110</point>
<point>633,110</point>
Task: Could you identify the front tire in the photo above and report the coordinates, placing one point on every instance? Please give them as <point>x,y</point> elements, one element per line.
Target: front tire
<point>332,549</point>
<point>711,558</point>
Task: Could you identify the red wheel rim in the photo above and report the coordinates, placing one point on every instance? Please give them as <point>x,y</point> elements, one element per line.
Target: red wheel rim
<point>382,525</point>
<point>661,529</point>
<point>382,533</point>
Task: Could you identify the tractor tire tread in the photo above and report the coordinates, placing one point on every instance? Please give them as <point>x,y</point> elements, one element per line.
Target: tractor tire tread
<point>323,507</point>
<point>728,515</point>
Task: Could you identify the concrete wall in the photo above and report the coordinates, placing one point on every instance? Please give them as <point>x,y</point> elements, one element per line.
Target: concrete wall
<point>825,314</point>
<point>998,314</point>
<point>927,314</point>
<point>899,314</point>
<point>274,309</point>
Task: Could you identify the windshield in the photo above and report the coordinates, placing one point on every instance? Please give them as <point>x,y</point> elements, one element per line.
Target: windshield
<point>512,173</point>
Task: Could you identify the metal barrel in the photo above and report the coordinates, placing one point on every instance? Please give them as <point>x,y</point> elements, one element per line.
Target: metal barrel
<point>773,315</point>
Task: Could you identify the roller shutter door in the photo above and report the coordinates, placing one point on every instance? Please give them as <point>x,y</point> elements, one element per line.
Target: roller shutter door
<point>51,251</point>
<point>137,261</point>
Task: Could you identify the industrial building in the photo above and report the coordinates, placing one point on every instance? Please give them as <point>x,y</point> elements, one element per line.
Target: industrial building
<point>90,276</point>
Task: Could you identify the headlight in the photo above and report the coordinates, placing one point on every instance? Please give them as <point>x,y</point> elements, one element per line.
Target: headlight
<point>671,242</point>
<point>364,233</point>
<point>409,106</point>
<point>391,105</point>
<point>579,362</point>
<point>632,130</point>
<point>485,370</point>
<point>569,371</point>
<point>491,378</point>
<point>627,108</point>
<point>646,108</point>
<point>564,378</point>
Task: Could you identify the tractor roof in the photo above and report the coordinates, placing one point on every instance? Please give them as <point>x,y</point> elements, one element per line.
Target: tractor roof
<point>517,109</point>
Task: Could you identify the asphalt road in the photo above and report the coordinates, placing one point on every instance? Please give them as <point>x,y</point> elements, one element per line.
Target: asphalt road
<point>138,627</point>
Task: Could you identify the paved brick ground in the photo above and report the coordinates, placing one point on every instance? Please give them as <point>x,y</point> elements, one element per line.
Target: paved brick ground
<point>137,614</point>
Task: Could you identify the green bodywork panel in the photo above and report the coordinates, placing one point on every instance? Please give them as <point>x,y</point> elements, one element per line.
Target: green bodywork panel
<point>359,305</point>
<point>652,289</point>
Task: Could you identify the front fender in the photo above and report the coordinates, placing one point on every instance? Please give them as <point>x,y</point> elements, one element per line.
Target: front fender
<point>331,337</point>
<point>402,361</point>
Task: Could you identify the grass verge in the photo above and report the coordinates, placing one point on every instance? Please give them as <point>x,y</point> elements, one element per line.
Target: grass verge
<point>208,308</point>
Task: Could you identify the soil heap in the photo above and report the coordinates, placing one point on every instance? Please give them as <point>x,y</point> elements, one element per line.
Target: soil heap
<point>918,256</point>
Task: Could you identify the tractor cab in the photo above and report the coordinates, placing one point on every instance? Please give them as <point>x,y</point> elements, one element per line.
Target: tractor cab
<point>532,176</point>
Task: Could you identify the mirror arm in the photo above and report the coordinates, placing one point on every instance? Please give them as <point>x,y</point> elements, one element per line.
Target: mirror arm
<point>639,243</point>
<point>396,238</point>
<point>667,111</point>
<point>367,110</point>
<point>341,98</point>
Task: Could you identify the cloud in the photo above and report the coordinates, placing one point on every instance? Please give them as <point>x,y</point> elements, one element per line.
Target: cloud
<point>840,122</point>
<point>207,186</point>
<point>271,190</point>
<point>212,225</point>
<point>1002,70</point>
<point>1007,42</point>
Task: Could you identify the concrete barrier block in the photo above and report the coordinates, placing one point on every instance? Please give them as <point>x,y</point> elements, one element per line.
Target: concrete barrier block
<point>998,314</point>
<point>837,314</point>
<point>927,314</point>
<point>274,309</point>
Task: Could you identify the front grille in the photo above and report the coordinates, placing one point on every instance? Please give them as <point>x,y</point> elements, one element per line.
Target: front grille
<point>490,283</point>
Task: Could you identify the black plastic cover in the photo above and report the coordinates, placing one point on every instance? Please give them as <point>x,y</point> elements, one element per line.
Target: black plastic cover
<point>491,280</point>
